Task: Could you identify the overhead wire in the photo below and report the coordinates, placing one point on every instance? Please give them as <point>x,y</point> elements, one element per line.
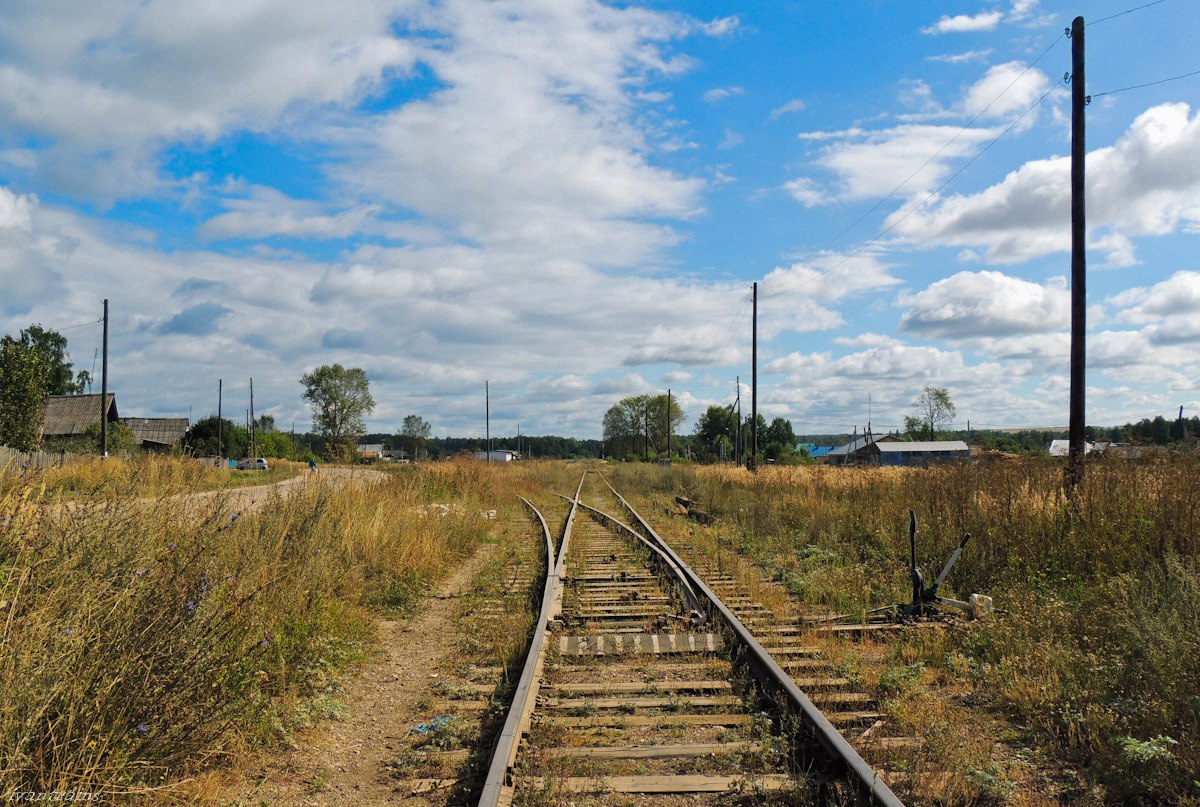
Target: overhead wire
<point>1141,86</point>
<point>1123,13</point>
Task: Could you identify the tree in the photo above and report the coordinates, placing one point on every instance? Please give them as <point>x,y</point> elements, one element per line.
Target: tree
<point>201,438</point>
<point>933,409</point>
<point>413,434</point>
<point>274,444</point>
<point>22,389</point>
<point>715,432</point>
<point>623,426</point>
<point>781,440</point>
<point>340,399</point>
<point>52,346</point>
<point>638,424</point>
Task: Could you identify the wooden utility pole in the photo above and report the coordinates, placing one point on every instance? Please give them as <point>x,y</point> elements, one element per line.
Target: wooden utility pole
<point>487,419</point>
<point>253,442</point>
<point>104,389</point>
<point>220,422</point>
<point>753,464</point>
<point>669,425</point>
<point>646,438</point>
<point>738,449</point>
<point>1075,461</point>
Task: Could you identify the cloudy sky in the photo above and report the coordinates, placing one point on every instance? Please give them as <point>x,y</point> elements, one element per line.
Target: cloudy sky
<point>571,199</point>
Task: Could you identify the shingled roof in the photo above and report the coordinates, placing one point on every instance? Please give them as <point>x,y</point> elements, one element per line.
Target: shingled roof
<point>159,431</point>
<point>70,415</point>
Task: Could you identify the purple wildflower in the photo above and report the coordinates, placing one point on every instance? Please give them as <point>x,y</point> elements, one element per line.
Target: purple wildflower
<point>142,728</point>
<point>69,631</point>
<point>191,605</point>
<point>172,545</point>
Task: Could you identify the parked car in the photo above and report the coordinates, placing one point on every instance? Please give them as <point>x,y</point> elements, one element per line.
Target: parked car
<point>258,464</point>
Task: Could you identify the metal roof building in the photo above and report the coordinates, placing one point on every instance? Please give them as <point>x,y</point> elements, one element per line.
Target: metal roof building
<point>889,449</point>
<point>853,451</point>
<point>71,415</point>
<point>919,453</point>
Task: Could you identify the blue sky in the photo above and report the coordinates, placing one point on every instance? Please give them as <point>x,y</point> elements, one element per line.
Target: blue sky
<point>571,200</point>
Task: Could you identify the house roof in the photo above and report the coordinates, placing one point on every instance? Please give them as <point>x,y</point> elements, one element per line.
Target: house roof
<point>938,446</point>
<point>1062,448</point>
<point>69,415</point>
<point>860,442</point>
<point>164,431</point>
<point>370,448</point>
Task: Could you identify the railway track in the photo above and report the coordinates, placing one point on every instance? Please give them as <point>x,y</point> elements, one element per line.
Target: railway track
<point>642,686</point>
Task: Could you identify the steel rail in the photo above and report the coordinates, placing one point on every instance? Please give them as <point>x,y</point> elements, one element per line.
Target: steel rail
<point>868,786</point>
<point>694,603</point>
<point>498,782</point>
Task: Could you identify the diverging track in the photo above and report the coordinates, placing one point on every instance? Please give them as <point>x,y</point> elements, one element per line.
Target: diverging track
<point>643,687</point>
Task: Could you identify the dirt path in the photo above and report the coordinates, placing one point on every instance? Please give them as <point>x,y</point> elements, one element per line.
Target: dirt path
<point>252,498</point>
<point>345,762</point>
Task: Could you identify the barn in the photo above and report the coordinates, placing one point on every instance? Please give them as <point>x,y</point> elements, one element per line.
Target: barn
<point>67,416</point>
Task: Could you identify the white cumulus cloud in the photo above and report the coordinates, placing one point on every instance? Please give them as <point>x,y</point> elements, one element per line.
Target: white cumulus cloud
<point>961,23</point>
<point>986,304</point>
<point>1147,183</point>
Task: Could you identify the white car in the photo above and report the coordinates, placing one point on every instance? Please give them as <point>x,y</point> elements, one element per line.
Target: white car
<point>258,464</point>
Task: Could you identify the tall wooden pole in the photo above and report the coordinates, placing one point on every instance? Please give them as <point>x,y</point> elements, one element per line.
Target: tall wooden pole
<point>738,449</point>
<point>487,420</point>
<point>1078,259</point>
<point>753,465</point>
<point>668,425</point>
<point>253,442</point>
<point>220,422</point>
<point>104,390</point>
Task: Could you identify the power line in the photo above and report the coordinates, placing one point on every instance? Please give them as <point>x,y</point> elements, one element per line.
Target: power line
<point>1123,13</point>
<point>1148,84</point>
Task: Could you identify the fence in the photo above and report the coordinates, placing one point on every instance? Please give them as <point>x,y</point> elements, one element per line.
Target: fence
<point>33,459</point>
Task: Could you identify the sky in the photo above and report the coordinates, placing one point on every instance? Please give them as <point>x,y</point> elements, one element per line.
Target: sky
<point>570,201</point>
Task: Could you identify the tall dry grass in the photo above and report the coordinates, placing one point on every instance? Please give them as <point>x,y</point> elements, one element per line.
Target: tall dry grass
<point>140,641</point>
<point>88,477</point>
<point>1097,644</point>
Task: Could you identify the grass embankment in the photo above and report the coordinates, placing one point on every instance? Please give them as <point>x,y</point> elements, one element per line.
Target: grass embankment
<point>1094,654</point>
<point>138,644</point>
<point>145,475</point>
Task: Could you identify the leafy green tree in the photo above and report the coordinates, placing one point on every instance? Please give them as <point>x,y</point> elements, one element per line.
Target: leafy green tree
<point>414,433</point>
<point>781,440</point>
<point>933,409</point>
<point>22,389</point>
<point>120,439</point>
<point>201,438</point>
<point>340,399</point>
<point>52,346</point>
<point>623,427</point>
<point>748,435</point>
<point>274,444</point>
<point>715,433</point>
<point>639,423</point>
